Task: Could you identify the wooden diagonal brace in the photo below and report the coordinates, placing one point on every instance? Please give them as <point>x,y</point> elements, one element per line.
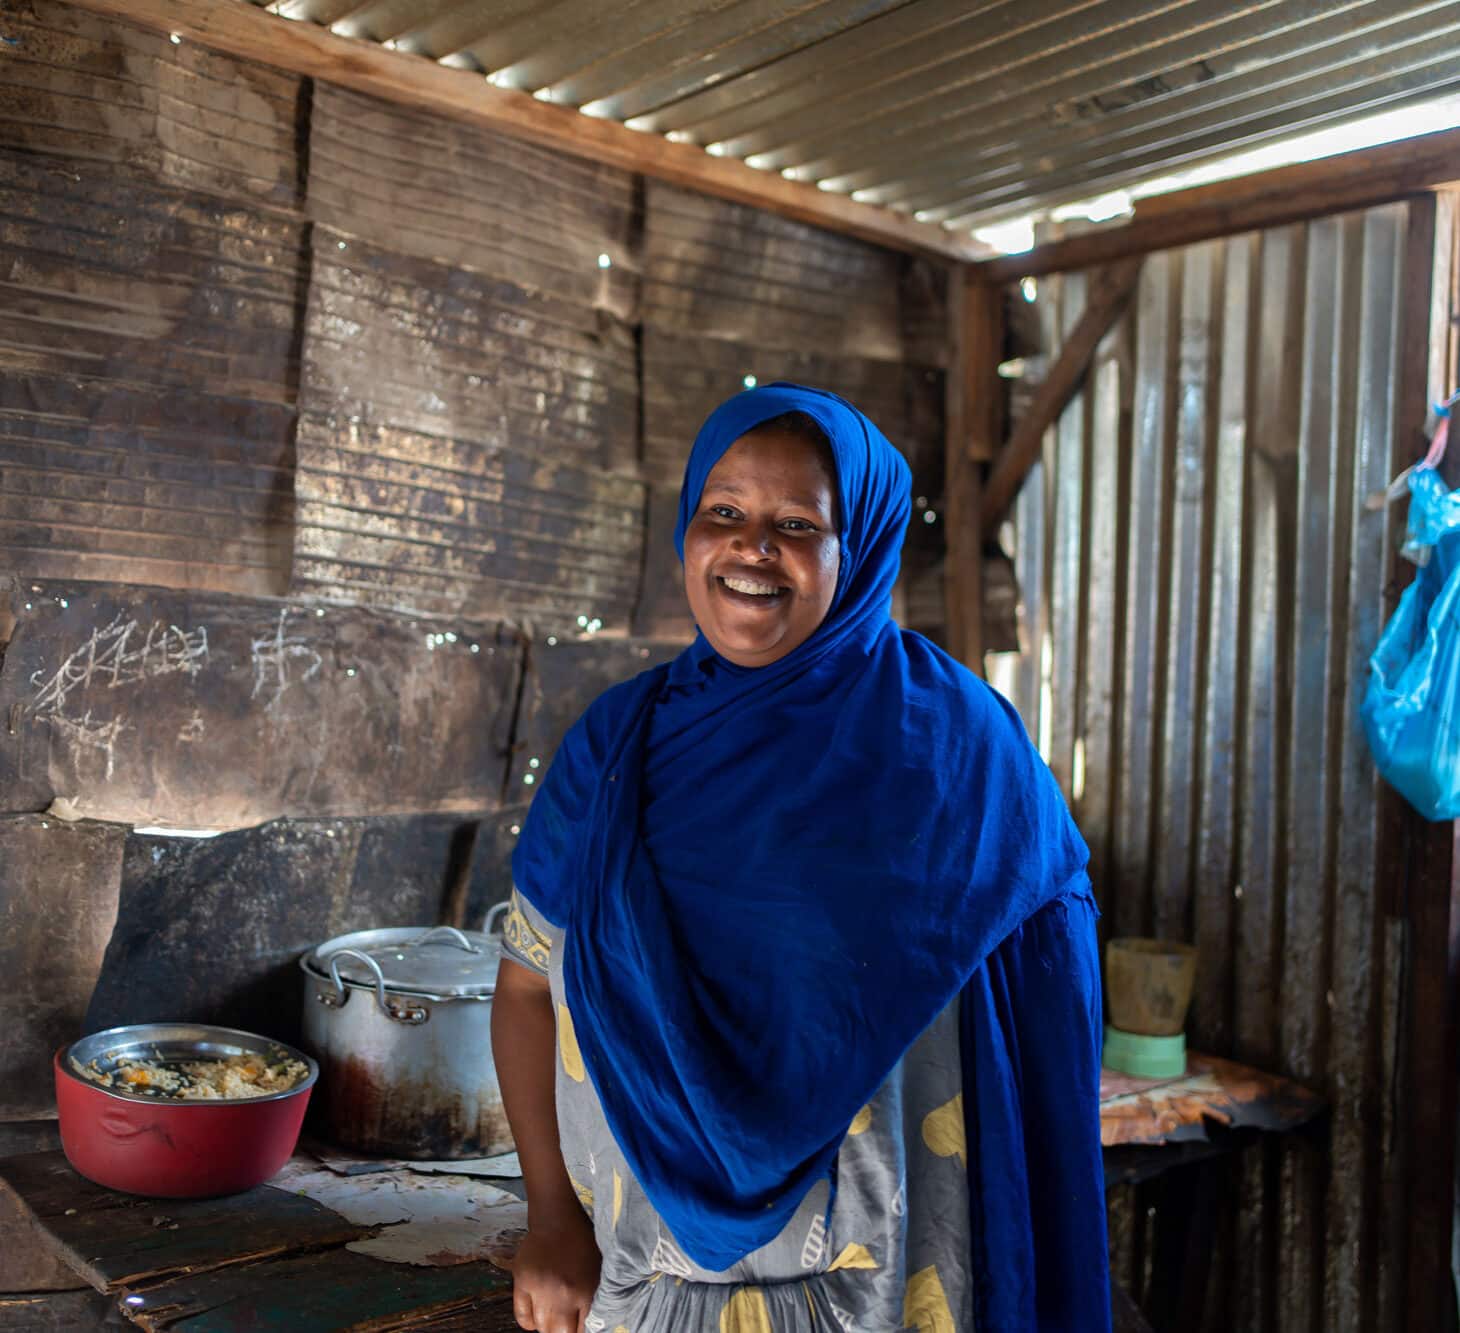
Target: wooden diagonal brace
<point>1111,290</point>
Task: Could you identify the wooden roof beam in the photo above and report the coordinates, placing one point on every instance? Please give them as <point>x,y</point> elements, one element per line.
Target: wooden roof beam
<point>1112,290</point>
<point>244,30</point>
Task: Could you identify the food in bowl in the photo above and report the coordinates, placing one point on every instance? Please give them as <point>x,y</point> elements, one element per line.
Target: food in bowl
<point>231,1077</point>
<point>139,1134</point>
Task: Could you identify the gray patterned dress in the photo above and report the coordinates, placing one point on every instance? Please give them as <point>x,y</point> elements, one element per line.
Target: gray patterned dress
<point>892,1257</point>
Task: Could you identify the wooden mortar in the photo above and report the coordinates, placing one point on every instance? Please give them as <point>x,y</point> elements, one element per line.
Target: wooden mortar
<point>1149,984</point>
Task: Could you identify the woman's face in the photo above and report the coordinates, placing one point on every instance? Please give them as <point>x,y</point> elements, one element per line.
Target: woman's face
<point>761,554</point>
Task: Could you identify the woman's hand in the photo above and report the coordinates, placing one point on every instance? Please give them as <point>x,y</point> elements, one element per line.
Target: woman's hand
<point>554,1277</point>
<point>555,1272</point>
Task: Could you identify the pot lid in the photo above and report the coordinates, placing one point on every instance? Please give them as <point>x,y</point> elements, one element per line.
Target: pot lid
<point>417,960</point>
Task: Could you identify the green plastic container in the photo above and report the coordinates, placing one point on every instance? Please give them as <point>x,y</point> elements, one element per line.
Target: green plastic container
<point>1145,1057</point>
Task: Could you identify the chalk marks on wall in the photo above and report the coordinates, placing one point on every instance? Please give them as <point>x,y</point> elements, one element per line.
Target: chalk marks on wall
<point>204,710</point>
<point>271,656</point>
<point>119,655</point>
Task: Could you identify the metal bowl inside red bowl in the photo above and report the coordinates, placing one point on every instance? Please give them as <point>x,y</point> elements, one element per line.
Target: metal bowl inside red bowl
<point>167,1147</point>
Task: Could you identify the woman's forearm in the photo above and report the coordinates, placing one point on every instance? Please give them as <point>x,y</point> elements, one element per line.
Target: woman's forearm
<point>524,1038</point>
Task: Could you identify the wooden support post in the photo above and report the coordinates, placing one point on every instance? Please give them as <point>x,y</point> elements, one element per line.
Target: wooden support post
<point>1111,292</point>
<point>1434,970</point>
<point>974,429</point>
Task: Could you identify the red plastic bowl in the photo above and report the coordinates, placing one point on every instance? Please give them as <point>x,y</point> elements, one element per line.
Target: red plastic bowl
<point>168,1148</point>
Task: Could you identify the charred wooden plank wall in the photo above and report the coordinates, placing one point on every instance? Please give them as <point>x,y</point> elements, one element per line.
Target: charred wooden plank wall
<point>1203,587</point>
<point>336,444</point>
<point>151,251</point>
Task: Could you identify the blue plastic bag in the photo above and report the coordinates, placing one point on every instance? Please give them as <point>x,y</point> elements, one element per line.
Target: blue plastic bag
<point>1411,710</point>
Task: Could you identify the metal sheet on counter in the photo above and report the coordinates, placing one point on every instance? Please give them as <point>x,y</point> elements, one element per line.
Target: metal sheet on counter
<point>430,1220</point>
<point>204,711</point>
<point>58,902</point>
<point>146,382</point>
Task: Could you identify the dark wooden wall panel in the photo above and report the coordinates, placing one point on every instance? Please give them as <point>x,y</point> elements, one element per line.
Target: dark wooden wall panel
<point>437,190</point>
<point>147,373</point>
<point>84,88</point>
<point>151,254</point>
<point>724,270</point>
<point>201,710</point>
<point>211,930</point>
<point>562,677</point>
<point>470,394</point>
<point>58,901</point>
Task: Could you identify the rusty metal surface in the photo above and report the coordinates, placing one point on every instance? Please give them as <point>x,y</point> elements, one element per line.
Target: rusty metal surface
<point>1228,590</point>
<point>562,677</point>
<point>1212,1092</point>
<point>204,711</point>
<point>964,112</point>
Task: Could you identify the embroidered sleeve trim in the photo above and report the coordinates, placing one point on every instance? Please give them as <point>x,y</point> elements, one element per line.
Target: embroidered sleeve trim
<point>526,943</point>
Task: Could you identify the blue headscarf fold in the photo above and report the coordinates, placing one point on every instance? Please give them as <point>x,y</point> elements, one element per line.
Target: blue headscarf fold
<point>771,879</point>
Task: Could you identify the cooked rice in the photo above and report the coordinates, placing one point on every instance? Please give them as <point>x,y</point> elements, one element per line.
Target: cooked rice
<point>198,1080</point>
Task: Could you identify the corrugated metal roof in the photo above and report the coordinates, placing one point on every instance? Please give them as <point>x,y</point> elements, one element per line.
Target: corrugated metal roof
<point>962,111</point>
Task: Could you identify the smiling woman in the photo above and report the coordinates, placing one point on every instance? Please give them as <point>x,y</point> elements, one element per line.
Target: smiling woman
<point>810,1021</point>
<point>761,556</point>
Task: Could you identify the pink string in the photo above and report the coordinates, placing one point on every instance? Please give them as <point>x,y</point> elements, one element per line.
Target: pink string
<point>1437,445</point>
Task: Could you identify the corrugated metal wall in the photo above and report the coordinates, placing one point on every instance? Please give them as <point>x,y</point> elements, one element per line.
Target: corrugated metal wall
<point>1203,585</point>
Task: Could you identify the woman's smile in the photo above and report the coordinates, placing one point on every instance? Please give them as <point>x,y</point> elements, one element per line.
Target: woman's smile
<point>761,554</point>
<point>756,589</point>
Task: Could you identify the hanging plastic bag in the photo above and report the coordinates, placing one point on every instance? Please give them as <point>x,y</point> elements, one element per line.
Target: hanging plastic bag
<point>1411,710</point>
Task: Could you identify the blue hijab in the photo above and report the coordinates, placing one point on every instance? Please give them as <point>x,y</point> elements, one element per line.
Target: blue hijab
<point>771,880</point>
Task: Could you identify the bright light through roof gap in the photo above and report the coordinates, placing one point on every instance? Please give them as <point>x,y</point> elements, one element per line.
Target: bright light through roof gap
<point>1016,235</point>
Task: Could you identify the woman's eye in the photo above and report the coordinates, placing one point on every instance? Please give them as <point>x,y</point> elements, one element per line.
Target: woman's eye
<point>799,525</point>
<point>723,511</point>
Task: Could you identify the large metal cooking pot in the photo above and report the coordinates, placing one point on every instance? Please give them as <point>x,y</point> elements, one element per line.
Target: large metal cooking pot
<point>400,1022</point>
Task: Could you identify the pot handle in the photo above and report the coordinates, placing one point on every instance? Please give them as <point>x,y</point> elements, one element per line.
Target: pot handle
<point>457,938</point>
<point>397,1010</point>
<point>493,915</point>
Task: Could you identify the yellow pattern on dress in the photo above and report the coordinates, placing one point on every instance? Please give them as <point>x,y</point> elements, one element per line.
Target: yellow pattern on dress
<point>585,1195</point>
<point>568,1045</point>
<point>943,1130</point>
<point>746,1313</point>
<point>862,1121</point>
<point>524,937</point>
<point>853,1256</point>
<point>925,1307</point>
<point>618,1196</point>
